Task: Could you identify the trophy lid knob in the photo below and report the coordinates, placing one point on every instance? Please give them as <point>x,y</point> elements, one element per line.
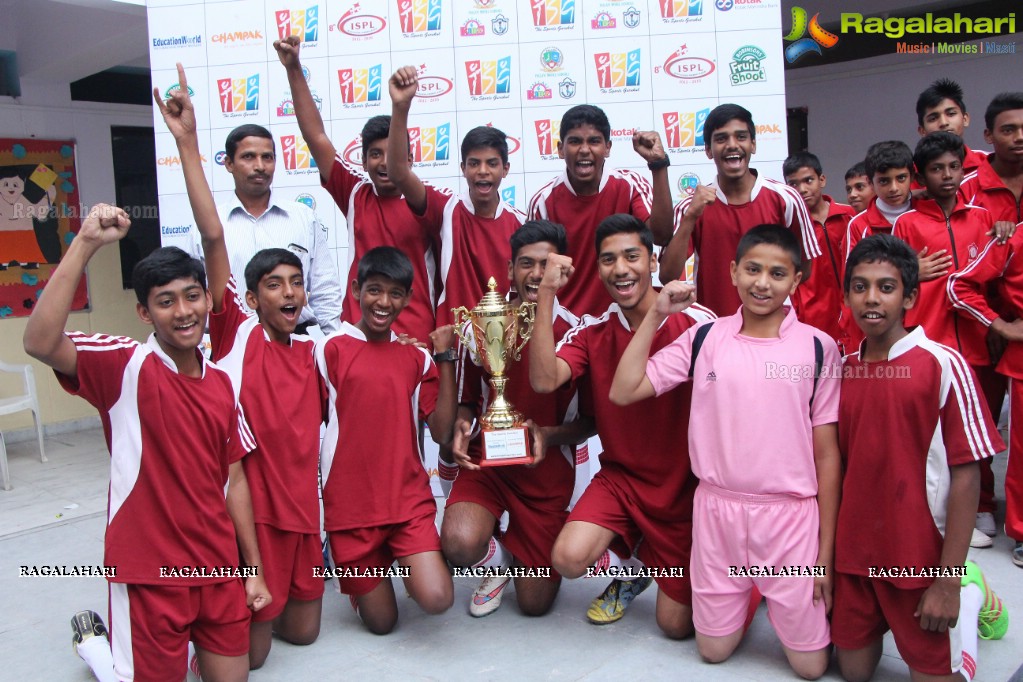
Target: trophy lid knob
<point>492,284</point>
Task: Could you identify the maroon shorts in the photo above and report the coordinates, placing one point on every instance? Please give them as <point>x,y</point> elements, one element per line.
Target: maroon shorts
<point>661,544</point>
<point>151,625</point>
<point>376,548</point>
<point>289,561</point>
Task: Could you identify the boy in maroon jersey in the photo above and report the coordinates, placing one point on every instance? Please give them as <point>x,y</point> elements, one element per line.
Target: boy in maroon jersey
<point>176,438</point>
<point>374,209</point>
<point>263,358</point>
<point>925,484</point>
<point>644,489</point>
<point>377,502</point>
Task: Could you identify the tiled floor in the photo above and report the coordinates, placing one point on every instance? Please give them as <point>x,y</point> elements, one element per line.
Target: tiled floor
<point>55,515</point>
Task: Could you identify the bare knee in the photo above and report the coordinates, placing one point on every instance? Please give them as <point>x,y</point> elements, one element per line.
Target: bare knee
<point>461,547</point>
<point>716,649</point>
<point>674,628</point>
<point>858,665</point>
<point>570,559</point>
<point>810,665</point>
<point>436,599</point>
<point>536,595</point>
<point>260,641</point>
<point>302,635</point>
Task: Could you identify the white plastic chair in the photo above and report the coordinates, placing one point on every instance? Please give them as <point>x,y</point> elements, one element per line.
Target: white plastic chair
<point>9,405</point>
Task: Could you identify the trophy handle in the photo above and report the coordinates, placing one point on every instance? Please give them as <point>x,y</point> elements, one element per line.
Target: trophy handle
<point>526,313</point>
<point>461,316</point>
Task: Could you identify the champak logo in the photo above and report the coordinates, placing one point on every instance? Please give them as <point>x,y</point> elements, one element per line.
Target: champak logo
<point>238,95</point>
<point>553,13</point>
<point>800,46</point>
<point>747,66</point>
<point>430,146</point>
<point>237,38</point>
<point>489,78</point>
<point>618,69</point>
<point>304,23</point>
<point>360,86</point>
<point>419,17</point>
<point>683,130</point>
<point>296,154</point>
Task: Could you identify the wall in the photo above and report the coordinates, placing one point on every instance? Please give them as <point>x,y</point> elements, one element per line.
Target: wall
<point>45,110</point>
<point>854,104</point>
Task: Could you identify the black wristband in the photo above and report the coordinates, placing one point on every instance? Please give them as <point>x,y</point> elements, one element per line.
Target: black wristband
<point>659,163</point>
<point>447,356</point>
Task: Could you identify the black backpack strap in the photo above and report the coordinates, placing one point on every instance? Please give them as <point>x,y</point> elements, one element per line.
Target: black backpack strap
<point>818,364</point>
<point>698,338</point>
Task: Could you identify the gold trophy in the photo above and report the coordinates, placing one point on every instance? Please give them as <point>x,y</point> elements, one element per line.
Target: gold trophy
<point>497,327</point>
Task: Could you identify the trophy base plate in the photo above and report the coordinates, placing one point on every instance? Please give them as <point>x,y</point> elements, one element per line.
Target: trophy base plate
<point>506,446</point>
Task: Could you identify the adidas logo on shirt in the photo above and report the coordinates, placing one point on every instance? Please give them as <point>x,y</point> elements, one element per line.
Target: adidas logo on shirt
<point>712,377</point>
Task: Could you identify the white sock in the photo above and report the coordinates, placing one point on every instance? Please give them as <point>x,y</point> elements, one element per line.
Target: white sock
<point>496,557</point>
<point>970,601</point>
<point>193,662</point>
<point>95,651</point>
<point>446,475</point>
<point>611,560</point>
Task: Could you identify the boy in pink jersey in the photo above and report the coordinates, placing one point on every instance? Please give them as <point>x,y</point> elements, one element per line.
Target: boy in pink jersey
<point>176,438</point>
<point>764,513</point>
<point>377,502</point>
<point>640,502</point>
<point>911,483</point>
<point>373,207</point>
<point>263,358</point>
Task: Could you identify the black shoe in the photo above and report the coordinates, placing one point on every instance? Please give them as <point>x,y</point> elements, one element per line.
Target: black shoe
<point>86,624</point>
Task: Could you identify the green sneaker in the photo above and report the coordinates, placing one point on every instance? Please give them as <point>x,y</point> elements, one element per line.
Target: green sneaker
<point>610,606</point>
<point>993,619</point>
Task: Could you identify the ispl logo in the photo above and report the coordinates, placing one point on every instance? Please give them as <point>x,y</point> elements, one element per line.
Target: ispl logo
<point>238,94</point>
<point>674,9</point>
<point>798,45</point>
<point>489,77</point>
<point>296,153</point>
<point>358,25</point>
<point>353,151</point>
<point>617,69</point>
<point>431,87</point>
<point>360,85</point>
<point>547,138</point>
<point>304,23</point>
<point>430,144</point>
<point>419,16</point>
<point>678,65</point>
<point>539,91</point>
<point>552,12</point>
<point>684,128</point>
<point>513,142</point>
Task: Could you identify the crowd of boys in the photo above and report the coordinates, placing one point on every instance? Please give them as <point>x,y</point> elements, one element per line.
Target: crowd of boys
<point>757,474</point>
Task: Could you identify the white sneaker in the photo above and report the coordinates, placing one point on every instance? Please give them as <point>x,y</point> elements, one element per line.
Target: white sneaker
<point>487,597</point>
<point>986,524</point>
<point>979,540</point>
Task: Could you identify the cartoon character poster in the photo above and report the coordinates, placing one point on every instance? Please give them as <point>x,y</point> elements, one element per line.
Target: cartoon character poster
<point>39,216</point>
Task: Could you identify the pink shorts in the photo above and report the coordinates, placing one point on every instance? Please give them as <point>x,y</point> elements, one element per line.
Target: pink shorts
<point>736,536</point>
<point>289,559</point>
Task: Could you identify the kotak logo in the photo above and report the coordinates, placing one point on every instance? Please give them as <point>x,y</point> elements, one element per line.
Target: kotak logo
<point>489,77</point>
<point>296,153</point>
<point>419,16</point>
<point>673,9</point>
<point>552,12</point>
<point>684,129</point>
<point>678,65</point>
<point>430,144</point>
<point>304,23</point>
<point>617,69</point>
<point>547,138</point>
<point>238,94</point>
<point>358,25</point>
<point>360,85</point>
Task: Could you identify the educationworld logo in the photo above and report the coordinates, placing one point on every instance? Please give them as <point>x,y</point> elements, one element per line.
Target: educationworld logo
<point>800,44</point>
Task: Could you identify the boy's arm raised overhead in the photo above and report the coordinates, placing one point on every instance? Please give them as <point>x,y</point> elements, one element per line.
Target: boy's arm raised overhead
<point>179,115</point>
<point>402,86</point>
<point>44,337</point>
<point>442,420</point>
<point>648,145</point>
<point>546,370</point>
<point>309,122</point>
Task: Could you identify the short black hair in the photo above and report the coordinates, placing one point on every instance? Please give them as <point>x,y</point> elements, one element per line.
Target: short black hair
<point>773,235</point>
<point>583,114</point>
<point>935,94</point>
<point>720,115</point>
<point>933,145</point>
<point>241,132</point>
<point>533,231</point>
<point>264,262</point>
<point>484,137</point>
<point>883,156</point>
<point>1006,101</point>
<point>376,128</point>
<point>385,261</point>
<point>884,248</point>
<point>624,223</point>
<point>857,169</point>
<point>802,160</point>
<point>162,266</point>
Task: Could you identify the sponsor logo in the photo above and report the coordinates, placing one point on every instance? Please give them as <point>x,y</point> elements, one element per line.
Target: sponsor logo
<point>360,85</point>
<point>687,183</point>
<point>725,5</point>
<point>237,38</point>
<point>684,129</point>
<point>238,94</point>
<point>747,65</point>
<point>358,25</point>
<point>419,16</point>
<point>603,20</point>
<point>306,199</point>
<point>631,17</point>
<point>547,138</point>
<point>471,29</point>
<point>566,88</point>
<point>220,158</point>
<point>508,195</point>
<point>484,4</point>
<point>678,65</point>
<point>539,91</point>
<point>177,86</point>
<point>553,13</point>
<point>428,145</point>
<point>552,59</point>
<point>295,153</point>
<point>676,9</point>
<point>287,106</point>
<point>353,151</point>
<point>432,88</point>
<point>765,129</point>
<point>618,69</point>
<point>177,41</point>
<point>304,23</point>
<point>897,27</point>
<point>172,161</point>
<point>499,25</point>
<point>490,77</point>
<point>801,45</point>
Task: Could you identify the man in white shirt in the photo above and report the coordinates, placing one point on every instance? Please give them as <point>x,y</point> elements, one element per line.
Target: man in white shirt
<point>253,220</point>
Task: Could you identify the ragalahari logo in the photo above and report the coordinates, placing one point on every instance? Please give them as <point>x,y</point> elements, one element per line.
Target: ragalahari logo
<point>304,23</point>
<point>617,69</point>
<point>488,77</point>
<point>552,12</point>
<point>419,16</point>
<point>547,138</point>
<point>296,154</point>
<point>430,144</point>
<point>673,9</point>
<point>238,94</point>
<point>684,128</point>
<point>799,46</point>
<point>360,85</point>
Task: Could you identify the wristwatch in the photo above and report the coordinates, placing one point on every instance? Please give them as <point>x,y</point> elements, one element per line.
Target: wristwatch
<point>447,356</point>
<point>659,163</point>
